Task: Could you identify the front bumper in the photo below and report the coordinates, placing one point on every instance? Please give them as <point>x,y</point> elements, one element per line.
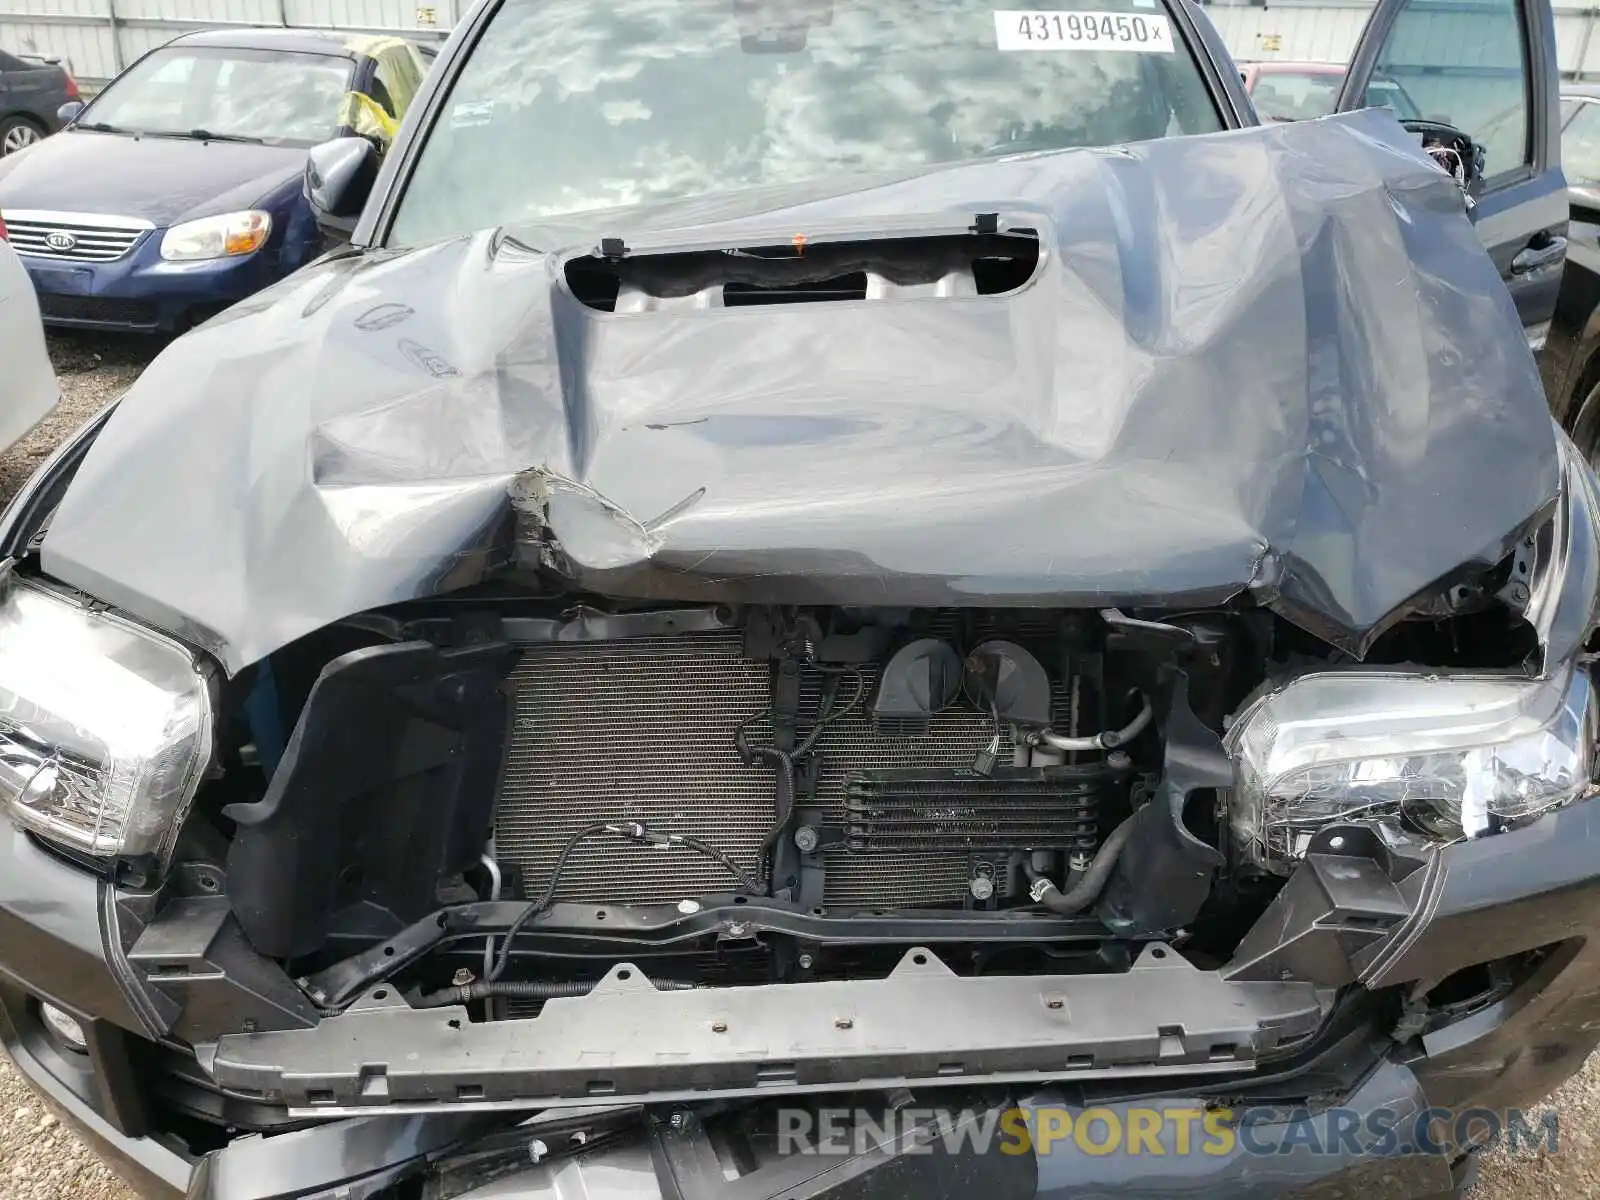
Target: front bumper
<point>1520,891</point>
<point>142,292</point>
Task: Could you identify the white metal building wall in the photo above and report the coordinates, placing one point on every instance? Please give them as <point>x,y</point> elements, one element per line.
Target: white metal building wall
<point>1328,32</point>
<point>97,38</point>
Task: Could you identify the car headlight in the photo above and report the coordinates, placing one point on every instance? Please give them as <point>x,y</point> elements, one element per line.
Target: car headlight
<point>227,236</point>
<point>1452,755</point>
<point>105,726</point>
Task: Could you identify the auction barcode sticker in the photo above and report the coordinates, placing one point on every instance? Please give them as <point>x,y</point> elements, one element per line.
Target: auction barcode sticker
<point>1140,33</point>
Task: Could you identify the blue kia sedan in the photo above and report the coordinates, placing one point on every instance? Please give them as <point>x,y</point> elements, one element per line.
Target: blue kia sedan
<point>178,191</point>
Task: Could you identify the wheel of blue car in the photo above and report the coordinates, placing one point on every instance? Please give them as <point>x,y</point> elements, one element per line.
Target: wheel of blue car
<point>18,133</point>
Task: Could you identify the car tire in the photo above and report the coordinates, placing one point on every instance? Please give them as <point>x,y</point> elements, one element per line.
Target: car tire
<point>18,133</point>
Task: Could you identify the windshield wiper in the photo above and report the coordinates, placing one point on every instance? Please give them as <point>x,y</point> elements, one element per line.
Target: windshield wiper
<point>206,135</point>
<point>104,127</point>
<point>203,135</point>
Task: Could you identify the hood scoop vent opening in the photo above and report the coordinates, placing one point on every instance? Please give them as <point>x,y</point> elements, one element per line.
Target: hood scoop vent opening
<point>938,267</point>
<point>850,286</point>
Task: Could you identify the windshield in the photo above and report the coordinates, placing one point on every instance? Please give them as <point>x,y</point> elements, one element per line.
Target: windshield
<point>1295,95</point>
<point>571,105</point>
<point>259,95</point>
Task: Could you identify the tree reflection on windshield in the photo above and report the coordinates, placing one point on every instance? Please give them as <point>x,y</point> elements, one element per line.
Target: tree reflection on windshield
<point>570,105</point>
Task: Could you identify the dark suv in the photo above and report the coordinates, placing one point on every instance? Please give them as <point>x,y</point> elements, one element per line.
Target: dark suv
<point>834,599</point>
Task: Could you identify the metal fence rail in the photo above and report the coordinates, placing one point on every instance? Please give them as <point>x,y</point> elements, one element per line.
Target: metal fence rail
<point>97,38</point>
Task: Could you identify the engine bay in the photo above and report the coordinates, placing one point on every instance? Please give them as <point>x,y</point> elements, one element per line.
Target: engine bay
<point>497,805</point>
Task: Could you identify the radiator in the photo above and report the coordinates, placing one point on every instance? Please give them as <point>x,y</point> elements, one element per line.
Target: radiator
<point>643,729</point>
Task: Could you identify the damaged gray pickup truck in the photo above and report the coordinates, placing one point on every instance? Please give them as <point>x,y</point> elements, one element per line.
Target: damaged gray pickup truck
<point>823,593</point>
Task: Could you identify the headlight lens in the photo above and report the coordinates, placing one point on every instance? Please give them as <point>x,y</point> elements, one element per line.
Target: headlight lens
<point>105,727</point>
<point>217,237</point>
<point>1457,756</point>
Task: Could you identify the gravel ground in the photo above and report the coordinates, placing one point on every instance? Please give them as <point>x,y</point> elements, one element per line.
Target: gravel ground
<point>39,1160</point>
<point>94,371</point>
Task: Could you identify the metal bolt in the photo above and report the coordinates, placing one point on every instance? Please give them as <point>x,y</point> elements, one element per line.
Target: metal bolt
<point>981,887</point>
<point>806,839</point>
<point>462,977</point>
<point>679,1121</point>
<point>843,1023</point>
<point>738,929</point>
<point>1336,843</point>
<point>1055,1002</point>
<point>688,907</point>
<point>805,962</point>
<point>719,1027</point>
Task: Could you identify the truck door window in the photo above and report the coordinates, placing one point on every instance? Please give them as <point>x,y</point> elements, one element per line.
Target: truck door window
<point>1467,66</point>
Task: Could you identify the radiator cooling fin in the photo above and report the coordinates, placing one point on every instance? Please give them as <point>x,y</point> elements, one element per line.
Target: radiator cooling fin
<point>642,729</point>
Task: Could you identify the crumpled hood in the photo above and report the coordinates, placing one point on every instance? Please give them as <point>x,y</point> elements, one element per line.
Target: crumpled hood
<point>1274,360</point>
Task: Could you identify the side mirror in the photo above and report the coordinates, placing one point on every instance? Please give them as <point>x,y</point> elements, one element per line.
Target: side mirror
<point>339,178</point>
<point>1455,152</point>
<point>68,112</point>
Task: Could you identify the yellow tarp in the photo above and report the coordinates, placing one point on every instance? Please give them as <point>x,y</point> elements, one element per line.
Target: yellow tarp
<point>402,69</point>
<point>365,115</point>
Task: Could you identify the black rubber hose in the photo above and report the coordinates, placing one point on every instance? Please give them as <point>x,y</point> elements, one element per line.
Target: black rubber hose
<point>1087,889</point>
<point>543,901</point>
<point>529,989</point>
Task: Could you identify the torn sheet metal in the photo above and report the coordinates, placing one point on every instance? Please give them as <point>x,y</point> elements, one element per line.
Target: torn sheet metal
<point>1274,359</point>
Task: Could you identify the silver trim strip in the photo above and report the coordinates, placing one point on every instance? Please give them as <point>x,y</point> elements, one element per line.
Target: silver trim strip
<point>91,237</point>
<point>42,216</point>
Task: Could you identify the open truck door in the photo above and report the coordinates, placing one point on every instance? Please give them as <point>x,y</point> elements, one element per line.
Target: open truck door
<point>1484,77</point>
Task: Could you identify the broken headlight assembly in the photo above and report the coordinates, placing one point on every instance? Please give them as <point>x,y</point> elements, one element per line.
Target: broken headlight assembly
<point>1452,756</point>
<point>105,726</point>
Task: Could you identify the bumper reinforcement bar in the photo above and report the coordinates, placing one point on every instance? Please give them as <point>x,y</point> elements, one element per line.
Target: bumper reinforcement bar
<point>922,1025</point>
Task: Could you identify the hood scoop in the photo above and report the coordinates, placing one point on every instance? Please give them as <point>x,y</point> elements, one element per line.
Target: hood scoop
<point>968,264</point>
